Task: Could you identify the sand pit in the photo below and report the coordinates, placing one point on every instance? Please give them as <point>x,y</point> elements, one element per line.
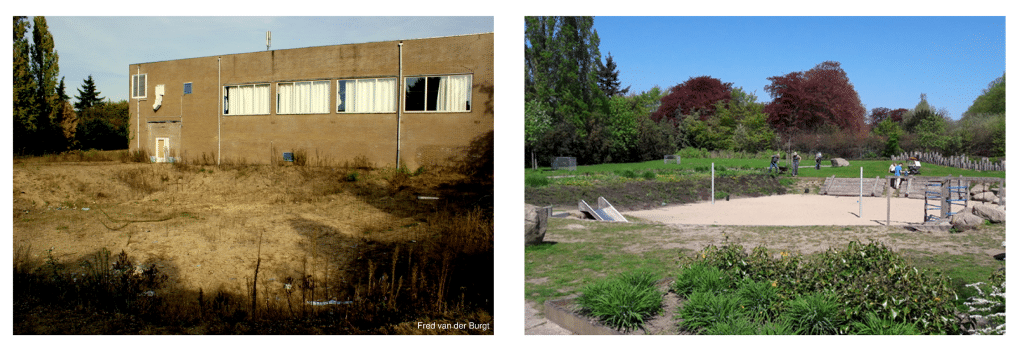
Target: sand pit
<point>789,210</point>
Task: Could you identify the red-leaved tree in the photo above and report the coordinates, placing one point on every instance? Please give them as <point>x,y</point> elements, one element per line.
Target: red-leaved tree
<point>813,99</point>
<point>881,114</point>
<point>696,94</point>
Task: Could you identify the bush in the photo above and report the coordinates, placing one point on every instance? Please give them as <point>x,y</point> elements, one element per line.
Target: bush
<point>738,326</point>
<point>623,302</point>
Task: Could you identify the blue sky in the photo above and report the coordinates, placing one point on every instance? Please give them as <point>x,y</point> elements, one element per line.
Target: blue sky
<point>105,46</point>
<point>889,60</point>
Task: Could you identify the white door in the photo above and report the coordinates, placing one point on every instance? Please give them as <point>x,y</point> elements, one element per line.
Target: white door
<point>162,148</point>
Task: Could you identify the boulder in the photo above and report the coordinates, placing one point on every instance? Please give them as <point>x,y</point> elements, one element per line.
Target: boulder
<point>987,197</point>
<point>978,188</point>
<point>536,224</point>
<point>992,213</point>
<point>964,220</point>
<point>840,162</point>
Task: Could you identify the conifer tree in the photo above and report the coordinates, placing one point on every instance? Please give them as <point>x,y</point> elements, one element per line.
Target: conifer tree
<point>608,78</point>
<point>87,96</point>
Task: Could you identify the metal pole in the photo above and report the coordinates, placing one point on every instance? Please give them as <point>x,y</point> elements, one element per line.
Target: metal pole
<point>860,213</point>
<point>712,183</point>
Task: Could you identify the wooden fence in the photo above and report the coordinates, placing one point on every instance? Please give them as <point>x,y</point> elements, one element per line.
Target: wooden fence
<point>961,161</point>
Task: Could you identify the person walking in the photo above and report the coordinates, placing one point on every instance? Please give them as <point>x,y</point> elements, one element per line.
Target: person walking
<point>899,172</point>
<point>892,170</point>
<point>817,161</point>
<point>775,163</point>
<point>796,163</point>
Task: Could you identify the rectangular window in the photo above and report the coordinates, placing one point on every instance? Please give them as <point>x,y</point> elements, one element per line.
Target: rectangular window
<point>304,97</point>
<point>439,93</point>
<point>138,86</point>
<point>248,99</point>
<point>367,95</point>
<point>188,88</point>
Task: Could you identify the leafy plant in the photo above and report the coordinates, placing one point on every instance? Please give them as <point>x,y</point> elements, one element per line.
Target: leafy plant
<point>623,302</point>
<point>535,181</point>
<point>874,325</point>
<point>700,278</point>
<point>815,314</point>
<point>759,298</point>
<point>738,326</point>
<point>704,309</point>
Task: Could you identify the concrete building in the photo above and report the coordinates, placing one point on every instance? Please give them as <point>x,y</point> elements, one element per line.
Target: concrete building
<point>415,102</point>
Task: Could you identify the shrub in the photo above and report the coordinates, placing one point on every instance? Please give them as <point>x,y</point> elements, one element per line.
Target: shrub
<point>623,302</point>
<point>699,278</point>
<point>626,173</point>
<point>648,175</point>
<point>815,314</point>
<point>780,326</point>
<point>704,309</point>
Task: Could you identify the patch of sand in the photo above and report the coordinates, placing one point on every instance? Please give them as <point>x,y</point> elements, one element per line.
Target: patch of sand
<point>789,210</point>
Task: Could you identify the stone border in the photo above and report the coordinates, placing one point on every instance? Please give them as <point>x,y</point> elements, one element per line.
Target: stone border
<point>560,312</point>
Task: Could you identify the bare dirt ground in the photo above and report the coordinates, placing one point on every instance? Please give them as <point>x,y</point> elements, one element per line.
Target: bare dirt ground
<point>202,226</point>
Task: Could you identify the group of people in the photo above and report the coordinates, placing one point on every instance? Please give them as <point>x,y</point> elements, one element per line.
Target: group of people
<point>796,162</point>
<point>898,170</point>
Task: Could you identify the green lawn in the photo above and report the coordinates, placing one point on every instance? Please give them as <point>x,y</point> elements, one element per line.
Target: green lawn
<point>872,168</point>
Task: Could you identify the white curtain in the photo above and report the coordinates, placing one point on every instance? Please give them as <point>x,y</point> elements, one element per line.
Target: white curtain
<point>320,97</point>
<point>248,100</point>
<point>370,95</point>
<point>284,98</point>
<point>454,93</point>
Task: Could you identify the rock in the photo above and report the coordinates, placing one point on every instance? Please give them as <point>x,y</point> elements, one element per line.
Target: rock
<point>992,213</point>
<point>978,188</point>
<point>840,162</point>
<point>987,197</point>
<point>536,224</point>
<point>964,220</point>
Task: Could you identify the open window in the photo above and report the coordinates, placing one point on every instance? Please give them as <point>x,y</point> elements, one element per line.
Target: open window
<point>439,93</point>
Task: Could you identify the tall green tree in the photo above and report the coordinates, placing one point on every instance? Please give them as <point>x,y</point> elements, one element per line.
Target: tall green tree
<point>24,87</point>
<point>47,102</point>
<point>561,60</point>
<point>608,78</point>
<point>87,96</point>
<point>561,67</point>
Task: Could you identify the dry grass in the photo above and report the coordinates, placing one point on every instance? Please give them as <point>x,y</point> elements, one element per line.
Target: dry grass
<point>349,234</point>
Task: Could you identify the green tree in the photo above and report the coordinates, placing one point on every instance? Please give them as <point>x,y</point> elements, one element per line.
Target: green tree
<point>87,96</point>
<point>104,126</point>
<point>891,131</point>
<point>608,78</point>
<point>537,123</point>
<point>561,60</point>
<point>45,69</point>
<point>561,67</point>
<point>992,100</point>
<point>24,86</point>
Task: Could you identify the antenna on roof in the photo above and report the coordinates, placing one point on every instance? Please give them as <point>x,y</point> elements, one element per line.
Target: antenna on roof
<point>268,40</point>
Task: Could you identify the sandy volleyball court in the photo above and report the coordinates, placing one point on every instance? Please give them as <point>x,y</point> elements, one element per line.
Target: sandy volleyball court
<point>790,209</point>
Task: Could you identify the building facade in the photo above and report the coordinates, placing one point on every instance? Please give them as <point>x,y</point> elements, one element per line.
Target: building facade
<point>412,102</point>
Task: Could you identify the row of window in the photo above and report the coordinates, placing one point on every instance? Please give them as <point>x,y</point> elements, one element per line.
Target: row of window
<point>375,95</point>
